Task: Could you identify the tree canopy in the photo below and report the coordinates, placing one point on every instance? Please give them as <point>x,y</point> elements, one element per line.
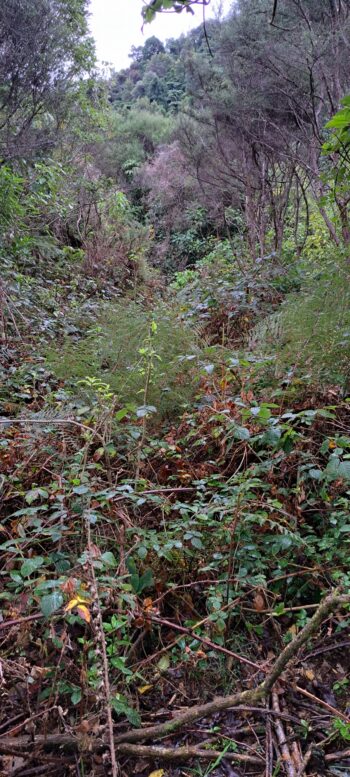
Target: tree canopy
<point>45,50</point>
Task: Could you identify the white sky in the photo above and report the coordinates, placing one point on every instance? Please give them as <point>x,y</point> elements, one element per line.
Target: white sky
<point>116,26</point>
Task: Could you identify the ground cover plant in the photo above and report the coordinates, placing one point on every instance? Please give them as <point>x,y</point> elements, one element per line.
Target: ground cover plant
<point>174,419</point>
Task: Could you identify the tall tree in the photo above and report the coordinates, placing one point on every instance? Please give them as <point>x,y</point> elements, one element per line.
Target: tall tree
<point>45,48</point>
<point>260,106</point>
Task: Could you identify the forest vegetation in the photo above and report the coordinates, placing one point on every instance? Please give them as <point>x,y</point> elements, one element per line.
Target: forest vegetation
<point>175,394</point>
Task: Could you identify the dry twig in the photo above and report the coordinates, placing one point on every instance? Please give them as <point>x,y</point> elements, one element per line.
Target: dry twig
<point>178,754</point>
<point>102,643</point>
<point>281,738</point>
<point>123,742</point>
<point>205,641</point>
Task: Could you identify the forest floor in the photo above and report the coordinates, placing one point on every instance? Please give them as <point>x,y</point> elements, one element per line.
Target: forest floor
<point>152,563</point>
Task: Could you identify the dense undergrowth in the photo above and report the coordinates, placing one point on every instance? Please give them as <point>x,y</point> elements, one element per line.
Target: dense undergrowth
<point>174,470</point>
<point>175,412</point>
<point>207,500</point>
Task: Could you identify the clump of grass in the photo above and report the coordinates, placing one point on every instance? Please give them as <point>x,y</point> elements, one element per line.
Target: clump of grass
<point>311,332</point>
<point>113,351</point>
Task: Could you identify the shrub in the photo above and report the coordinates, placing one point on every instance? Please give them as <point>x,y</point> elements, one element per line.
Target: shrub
<point>225,299</point>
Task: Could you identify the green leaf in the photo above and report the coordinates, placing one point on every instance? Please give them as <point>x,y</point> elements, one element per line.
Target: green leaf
<point>215,603</point>
<point>241,433</point>
<point>121,707</point>
<point>121,414</point>
<point>80,490</point>
<point>51,603</point>
<point>272,436</point>
<point>196,542</point>
<point>119,663</point>
<point>255,411</point>
<point>145,410</point>
<point>31,565</point>
<point>340,120</point>
<point>148,14</point>
<point>163,663</point>
<point>76,696</point>
<point>135,582</point>
<point>315,474</point>
<point>16,577</point>
<point>337,469</point>
<point>109,559</point>
<point>132,716</point>
<point>131,566</point>
<point>146,581</point>
<point>36,493</point>
<point>264,414</point>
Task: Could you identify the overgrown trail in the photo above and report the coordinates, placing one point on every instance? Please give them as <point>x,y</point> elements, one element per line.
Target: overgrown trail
<point>174,421</point>
<point>157,558</point>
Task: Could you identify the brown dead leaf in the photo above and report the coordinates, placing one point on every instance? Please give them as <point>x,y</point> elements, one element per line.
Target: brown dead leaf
<point>309,674</point>
<point>69,586</point>
<point>259,602</point>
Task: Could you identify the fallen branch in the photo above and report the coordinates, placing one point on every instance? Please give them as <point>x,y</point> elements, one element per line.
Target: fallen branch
<point>281,738</point>
<point>331,757</point>
<point>332,710</point>
<point>249,697</point>
<point>190,715</point>
<point>305,761</point>
<point>180,754</point>
<point>329,603</point>
<point>252,696</point>
<point>268,746</point>
<point>18,621</point>
<point>51,742</point>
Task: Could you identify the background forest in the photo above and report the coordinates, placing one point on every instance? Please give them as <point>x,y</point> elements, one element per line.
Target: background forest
<point>174,420</point>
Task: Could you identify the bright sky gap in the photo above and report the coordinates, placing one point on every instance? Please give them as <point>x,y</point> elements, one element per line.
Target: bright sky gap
<point>116,26</point>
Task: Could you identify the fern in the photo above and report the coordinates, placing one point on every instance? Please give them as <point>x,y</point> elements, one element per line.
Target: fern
<point>111,352</point>
<point>311,332</point>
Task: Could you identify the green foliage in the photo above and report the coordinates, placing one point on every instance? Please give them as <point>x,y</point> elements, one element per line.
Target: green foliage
<point>183,278</point>
<point>317,245</point>
<point>314,326</point>
<point>157,6</point>
<point>150,480</point>
<point>225,298</point>
<point>26,198</point>
<point>342,729</point>
<point>131,137</point>
<point>186,247</point>
<point>158,73</point>
<point>39,83</point>
<point>340,124</point>
<point>113,351</point>
<point>11,206</point>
